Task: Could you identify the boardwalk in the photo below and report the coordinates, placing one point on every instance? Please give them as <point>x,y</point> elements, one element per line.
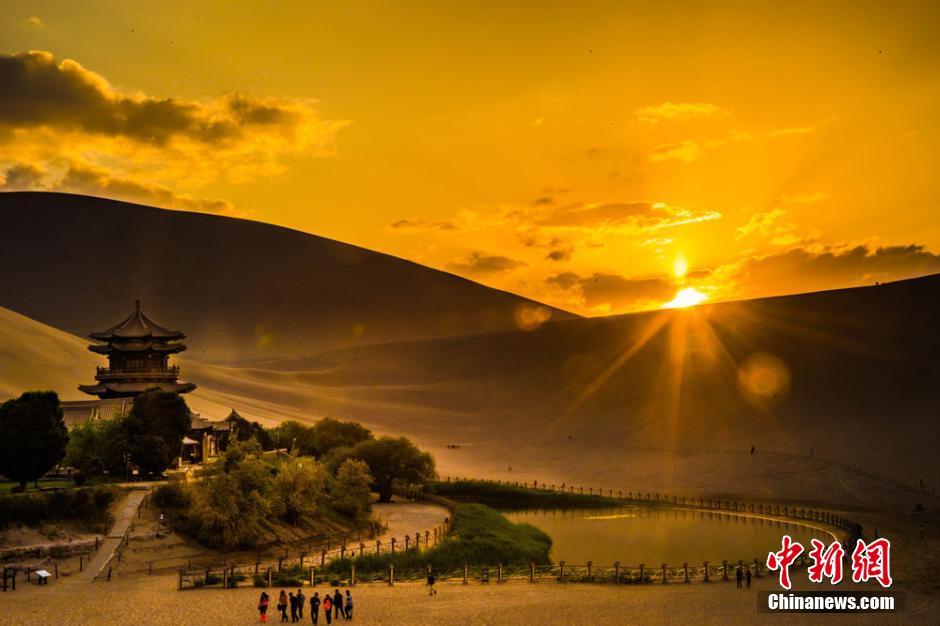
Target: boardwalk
<point>126,511</point>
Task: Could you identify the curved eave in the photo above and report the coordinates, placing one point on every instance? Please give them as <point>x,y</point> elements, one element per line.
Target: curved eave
<point>164,348</point>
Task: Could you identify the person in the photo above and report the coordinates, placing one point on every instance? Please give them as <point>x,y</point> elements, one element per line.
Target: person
<point>263,606</point>
<point>747,578</point>
<point>328,608</point>
<point>739,576</point>
<point>338,604</point>
<point>315,607</point>
<point>348,608</point>
<point>301,599</point>
<point>293,607</point>
<point>431,580</point>
<point>752,450</point>
<point>282,605</point>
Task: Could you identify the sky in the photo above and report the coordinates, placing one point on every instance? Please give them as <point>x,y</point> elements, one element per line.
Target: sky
<point>602,157</point>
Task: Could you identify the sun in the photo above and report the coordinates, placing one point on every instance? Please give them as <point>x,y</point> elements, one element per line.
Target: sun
<point>690,296</point>
<point>680,267</point>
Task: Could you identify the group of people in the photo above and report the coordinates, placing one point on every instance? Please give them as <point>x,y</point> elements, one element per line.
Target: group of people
<point>334,605</point>
<point>741,576</point>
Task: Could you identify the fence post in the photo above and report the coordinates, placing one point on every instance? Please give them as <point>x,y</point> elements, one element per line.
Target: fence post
<point>531,571</point>
<point>313,575</point>
<point>352,575</point>
<point>224,578</point>
<point>561,566</point>
<point>616,571</point>
<point>706,571</point>
<point>181,580</point>
<point>685,566</point>
<point>664,573</point>
<point>362,549</point>
<point>590,566</point>
<point>391,574</point>
<point>499,572</point>
<point>393,545</point>
<point>724,570</point>
<point>642,567</point>
<point>269,577</point>
<point>466,572</point>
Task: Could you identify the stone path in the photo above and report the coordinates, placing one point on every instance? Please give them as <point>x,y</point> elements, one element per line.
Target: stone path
<point>126,513</point>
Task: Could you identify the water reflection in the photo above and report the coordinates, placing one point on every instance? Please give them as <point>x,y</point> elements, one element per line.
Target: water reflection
<point>634,535</point>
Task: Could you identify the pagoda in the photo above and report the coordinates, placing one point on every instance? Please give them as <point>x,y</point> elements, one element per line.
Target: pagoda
<point>138,350</point>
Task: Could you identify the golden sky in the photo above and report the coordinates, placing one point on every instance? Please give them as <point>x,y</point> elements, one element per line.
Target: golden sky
<point>577,153</point>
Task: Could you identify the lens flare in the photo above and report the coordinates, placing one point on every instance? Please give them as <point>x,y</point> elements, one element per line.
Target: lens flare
<point>690,296</point>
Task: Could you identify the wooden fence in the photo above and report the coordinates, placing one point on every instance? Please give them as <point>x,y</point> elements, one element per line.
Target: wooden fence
<point>650,499</point>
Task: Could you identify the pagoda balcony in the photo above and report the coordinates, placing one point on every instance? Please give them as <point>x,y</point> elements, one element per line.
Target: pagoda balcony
<point>162,373</point>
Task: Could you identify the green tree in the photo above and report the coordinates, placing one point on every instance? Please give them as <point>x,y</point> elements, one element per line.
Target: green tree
<point>33,436</point>
<point>155,428</point>
<point>298,487</point>
<point>295,437</point>
<point>231,506</point>
<point>97,447</point>
<point>391,460</point>
<point>330,434</point>
<point>351,494</point>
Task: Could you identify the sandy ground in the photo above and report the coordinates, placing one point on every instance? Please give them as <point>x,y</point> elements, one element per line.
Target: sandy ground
<point>155,601</point>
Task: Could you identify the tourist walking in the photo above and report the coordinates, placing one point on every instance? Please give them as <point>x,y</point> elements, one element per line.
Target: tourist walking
<point>431,580</point>
<point>328,608</point>
<point>315,607</point>
<point>263,602</point>
<point>282,605</point>
<point>747,578</point>
<point>301,599</point>
<point>338,609</point>
<point>349,605</point>
<point>293,607</point>
<point>739,576</point>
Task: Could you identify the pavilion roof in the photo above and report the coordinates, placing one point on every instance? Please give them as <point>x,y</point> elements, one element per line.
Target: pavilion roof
<point>137,326</point>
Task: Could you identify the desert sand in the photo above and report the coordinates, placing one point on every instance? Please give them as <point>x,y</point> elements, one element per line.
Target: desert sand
<point>154,601</point>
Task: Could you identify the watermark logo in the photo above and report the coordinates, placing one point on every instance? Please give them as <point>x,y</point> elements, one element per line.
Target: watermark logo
<point>870,561</point>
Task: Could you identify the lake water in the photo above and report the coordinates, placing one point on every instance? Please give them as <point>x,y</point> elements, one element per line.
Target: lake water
<point>634,535</point>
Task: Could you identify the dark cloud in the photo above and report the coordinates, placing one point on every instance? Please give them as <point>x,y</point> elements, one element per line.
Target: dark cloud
<point>91,180</point>
<point>423,225</point>
<point>37,91</point>
<point>478,263</point>
<point>22,176</point>
<point>614,291</point>
<point>803,269</point>
<point>559,254</point>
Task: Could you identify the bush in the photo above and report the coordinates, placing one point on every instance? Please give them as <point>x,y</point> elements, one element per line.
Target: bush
<point>480,536</point>
<point>86,504</point>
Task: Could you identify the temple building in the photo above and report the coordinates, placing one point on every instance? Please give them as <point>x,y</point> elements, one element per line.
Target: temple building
<point>138,351</point>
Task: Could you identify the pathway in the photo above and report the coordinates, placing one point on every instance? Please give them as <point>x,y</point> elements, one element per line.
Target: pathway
<point>126,513</point>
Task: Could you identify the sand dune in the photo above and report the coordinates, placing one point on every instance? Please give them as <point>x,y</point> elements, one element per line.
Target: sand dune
<point>238,288</point>
<point>850,375</point>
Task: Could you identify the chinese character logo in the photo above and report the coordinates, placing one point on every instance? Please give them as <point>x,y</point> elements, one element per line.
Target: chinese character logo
<point>826,563</point>
<point>782,560</point>
<point>872,560</point>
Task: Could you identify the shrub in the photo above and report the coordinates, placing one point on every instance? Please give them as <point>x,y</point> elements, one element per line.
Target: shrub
<point>480,536</point>
<point>89,504</point>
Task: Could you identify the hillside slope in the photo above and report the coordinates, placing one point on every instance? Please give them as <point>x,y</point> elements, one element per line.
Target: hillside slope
<point>849,375</point>
<point>238,288</point>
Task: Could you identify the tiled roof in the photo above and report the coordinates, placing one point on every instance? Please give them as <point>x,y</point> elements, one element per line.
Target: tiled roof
<point>137,326</point>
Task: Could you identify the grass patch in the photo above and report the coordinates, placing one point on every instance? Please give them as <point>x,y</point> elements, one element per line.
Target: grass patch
<point>8,486</point>
<point>510,497</point>
<point>87,504</point>
<point>480,536</point>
